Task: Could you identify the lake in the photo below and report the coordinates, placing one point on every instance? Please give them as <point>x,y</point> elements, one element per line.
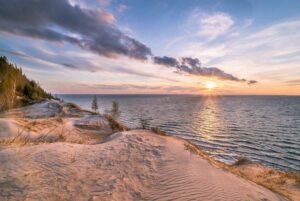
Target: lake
<point>265,129</point>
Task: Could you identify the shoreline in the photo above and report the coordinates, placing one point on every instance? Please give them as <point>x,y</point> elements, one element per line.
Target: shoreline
<point>90,130</point>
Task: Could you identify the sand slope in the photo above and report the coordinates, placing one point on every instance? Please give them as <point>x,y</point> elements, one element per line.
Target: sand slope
<point>132,165</point>
<point>186,176</point>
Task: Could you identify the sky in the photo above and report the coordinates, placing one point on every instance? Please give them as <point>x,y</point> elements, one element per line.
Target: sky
<point>223,47</point>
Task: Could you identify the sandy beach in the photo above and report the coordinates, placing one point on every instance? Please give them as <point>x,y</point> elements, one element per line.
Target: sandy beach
<point>56,151</point>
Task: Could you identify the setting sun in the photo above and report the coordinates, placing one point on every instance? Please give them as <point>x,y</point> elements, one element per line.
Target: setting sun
<point>210,85</point>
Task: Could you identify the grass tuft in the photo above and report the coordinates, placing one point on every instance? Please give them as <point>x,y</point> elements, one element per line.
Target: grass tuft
<point>158,131</point>
<point>73,106</point>
<point>25,139</point>
<point>242,161</point>
<point>115,125</point>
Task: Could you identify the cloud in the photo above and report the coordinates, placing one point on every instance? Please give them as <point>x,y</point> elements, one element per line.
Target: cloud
<point>210,25</point>
<point>95,30</point>
<point>105,2</point>
<point>70,66</point>
<point>135,87</point>
<point>203,27</point>
<point>193,62</point>
<point>122,8</point>
<point>101,15</point>
<point>59,21</point>
<point>192,66</point>
<point>166,61</point>
<point>269,54</point>
<point>295,82</point>
<point>268,49</point>
<point>32,58</point>
<point>251,82</point>
<point>20,54</point>
<point>90,64</point>
<point>123,86</point>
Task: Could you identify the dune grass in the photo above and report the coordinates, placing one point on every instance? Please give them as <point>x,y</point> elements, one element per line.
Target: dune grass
<point>23,139</point>
<point>115,125</point>
<point>27,140</point>
<point>158,131</point>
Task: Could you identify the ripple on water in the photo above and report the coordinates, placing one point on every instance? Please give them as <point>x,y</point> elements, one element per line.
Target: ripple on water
<point>265,129</point>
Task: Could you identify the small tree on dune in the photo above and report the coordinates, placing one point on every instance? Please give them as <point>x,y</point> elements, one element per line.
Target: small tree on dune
<point>115,108</point>
<point>95,104</point>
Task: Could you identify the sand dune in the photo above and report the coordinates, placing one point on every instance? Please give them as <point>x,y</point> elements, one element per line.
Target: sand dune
<point>133,165</point>
<point>129,165</point>
<point>53,121</point>
<point>186,176</point>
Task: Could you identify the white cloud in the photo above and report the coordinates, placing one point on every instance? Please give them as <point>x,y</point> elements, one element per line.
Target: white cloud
<point>105,2</point>
<point>122,8</point>
<point>210,25</point>
<point>215,25</point>
<point>205,27</point>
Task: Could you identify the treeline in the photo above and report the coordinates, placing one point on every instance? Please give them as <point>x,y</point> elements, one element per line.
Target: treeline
<point>16,89</point>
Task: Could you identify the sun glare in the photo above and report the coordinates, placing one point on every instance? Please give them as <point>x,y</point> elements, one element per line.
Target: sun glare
<point>210,85</point>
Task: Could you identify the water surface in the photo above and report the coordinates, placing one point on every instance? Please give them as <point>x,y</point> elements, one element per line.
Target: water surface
<point>265,129</point>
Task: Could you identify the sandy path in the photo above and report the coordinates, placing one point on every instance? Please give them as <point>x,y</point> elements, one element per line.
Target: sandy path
<point>132,165</point>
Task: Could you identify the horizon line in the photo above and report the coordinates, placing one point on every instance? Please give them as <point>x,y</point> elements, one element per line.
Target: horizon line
<point>175,94</point>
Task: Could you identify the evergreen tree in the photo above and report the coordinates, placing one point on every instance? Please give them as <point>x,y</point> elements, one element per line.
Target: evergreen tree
<point>95,104</point>
<point>115,108</point>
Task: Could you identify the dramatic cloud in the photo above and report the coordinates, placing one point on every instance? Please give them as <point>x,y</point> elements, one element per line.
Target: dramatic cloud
<point>59,21</point>
<point>96,31</point>
<point>193,66</point>
<point>166,61</point>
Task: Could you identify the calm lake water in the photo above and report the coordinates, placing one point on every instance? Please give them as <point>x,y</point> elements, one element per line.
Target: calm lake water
<point>265,129</point>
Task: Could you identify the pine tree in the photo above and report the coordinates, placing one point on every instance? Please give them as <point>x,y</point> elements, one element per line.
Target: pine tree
<point>95,104</point>
<point>115,108</point>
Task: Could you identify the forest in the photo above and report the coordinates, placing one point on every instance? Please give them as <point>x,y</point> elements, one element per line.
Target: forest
<point>16,89</point>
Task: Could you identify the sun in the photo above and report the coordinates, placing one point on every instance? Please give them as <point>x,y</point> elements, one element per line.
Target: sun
<point>210,85</point>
